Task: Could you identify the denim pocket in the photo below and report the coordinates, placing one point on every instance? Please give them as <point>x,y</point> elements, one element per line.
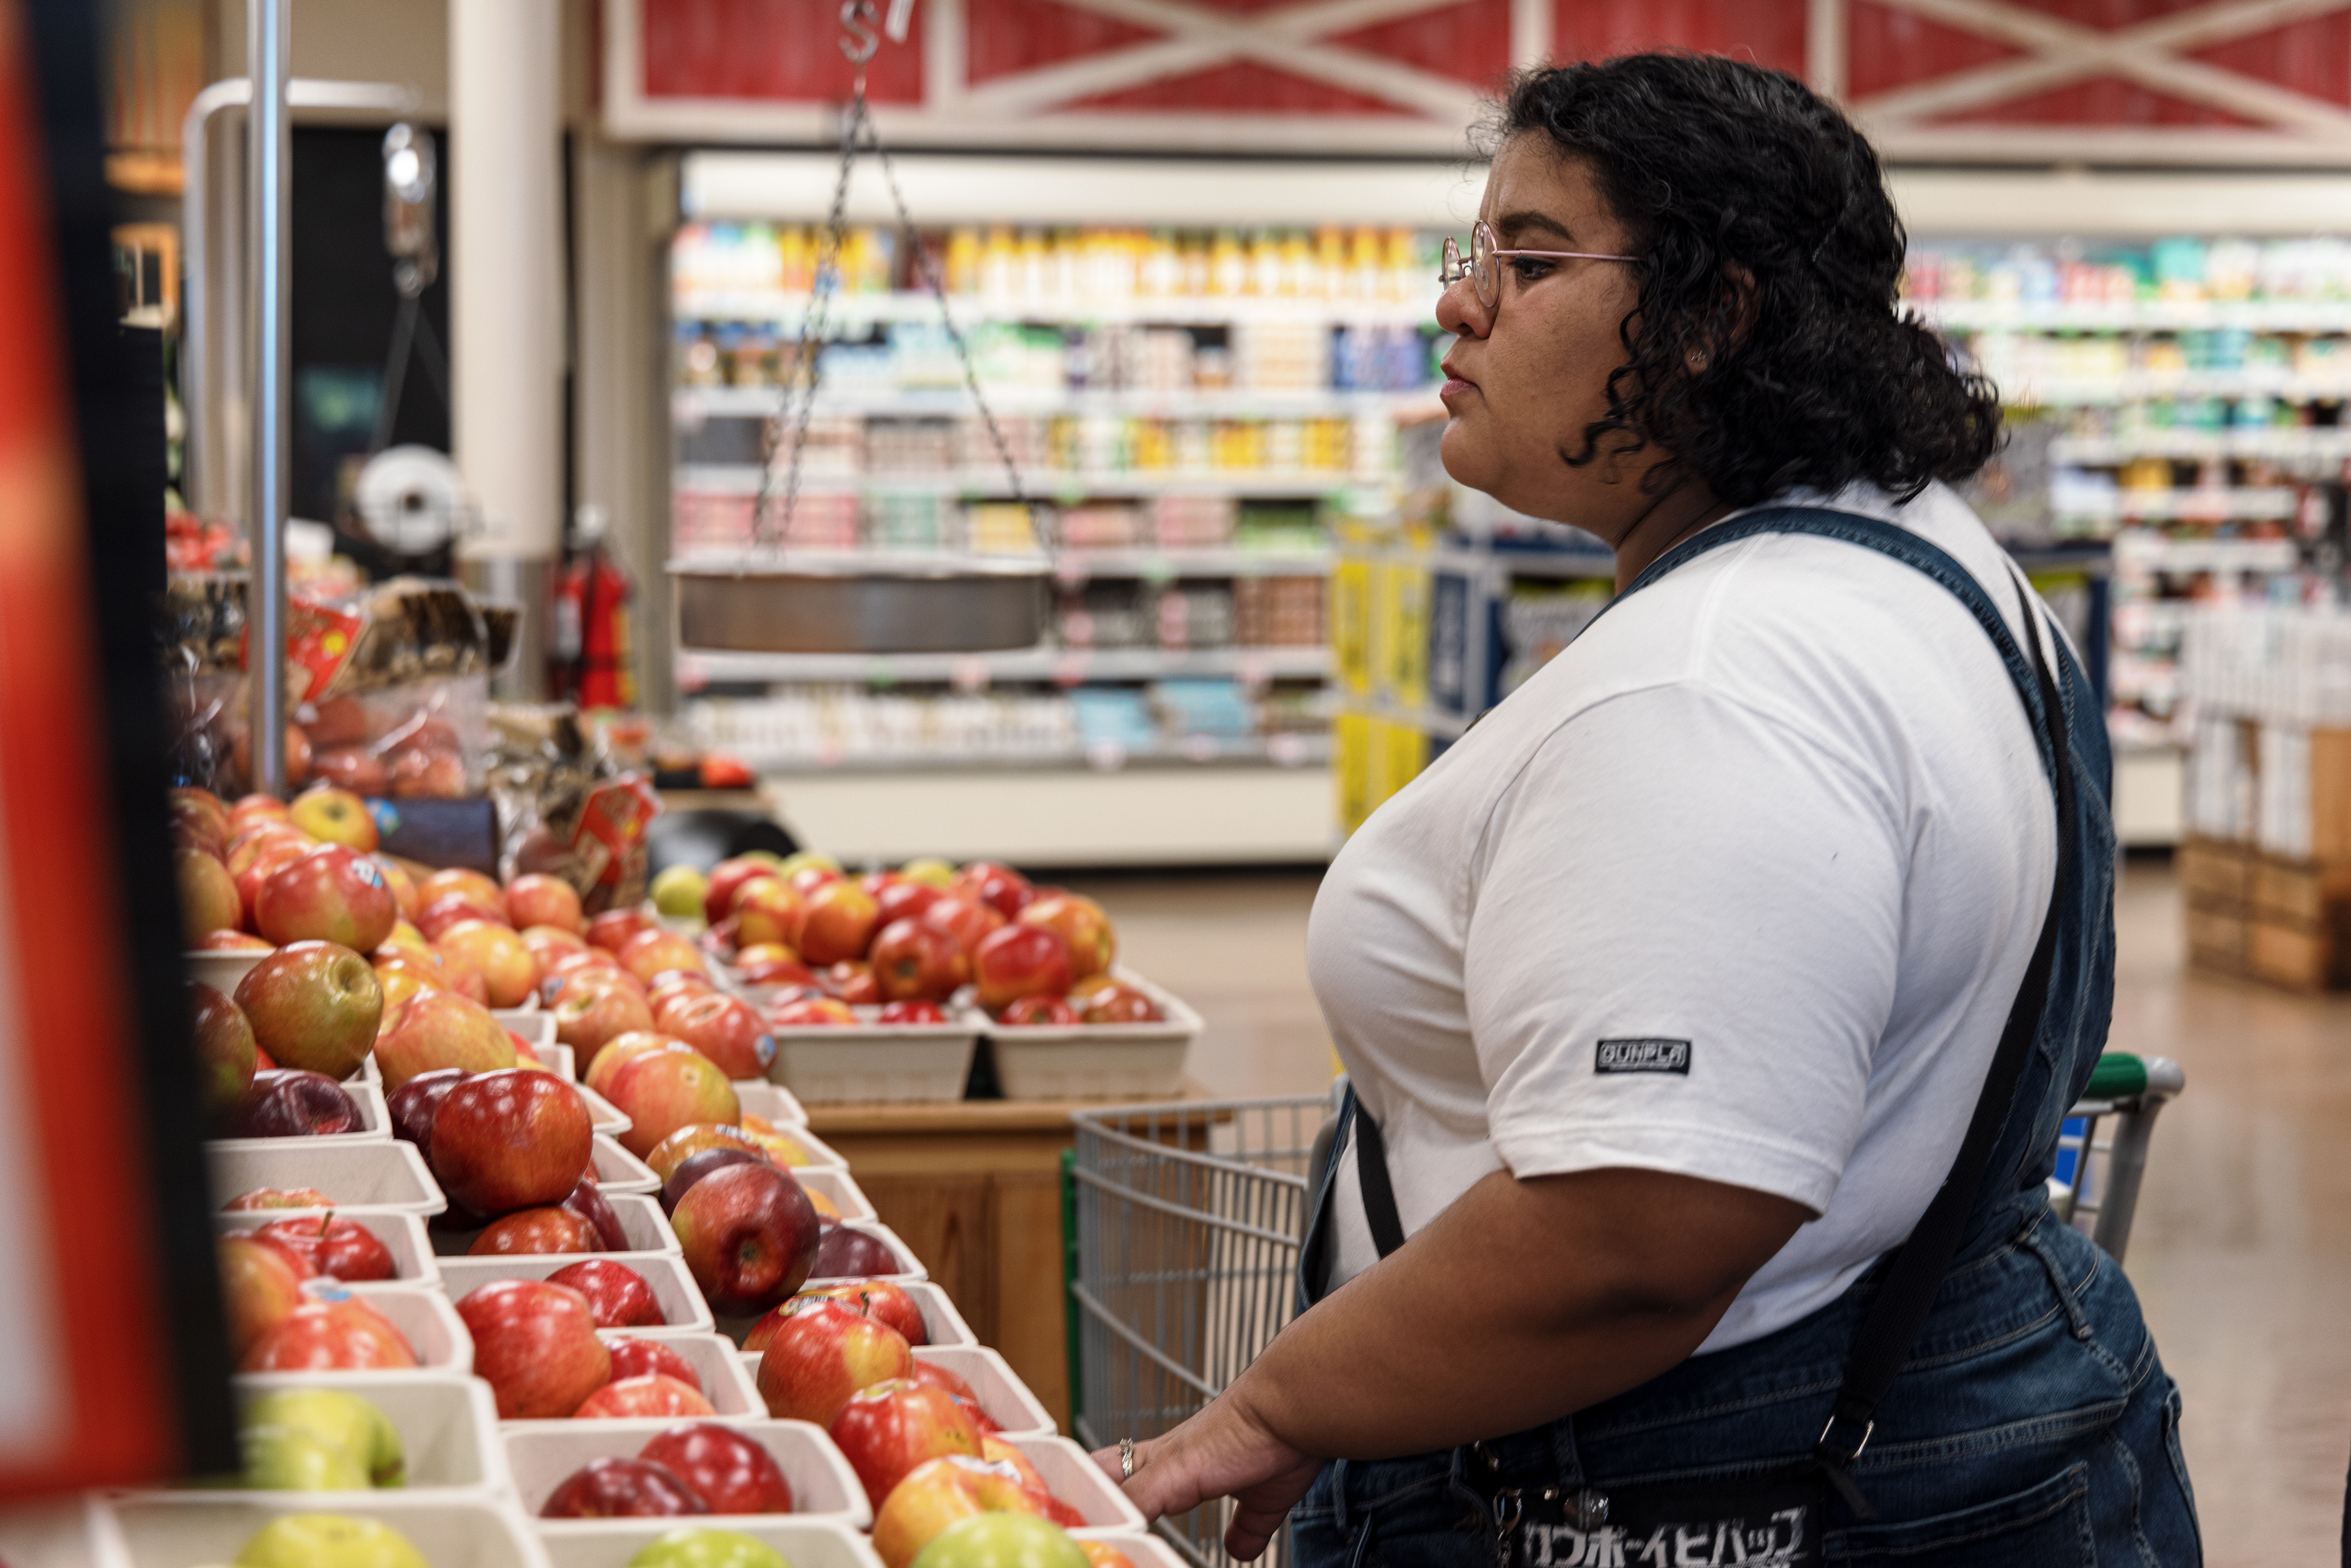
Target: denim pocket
<point>2171,1411</point>
<point>2046,1525</point>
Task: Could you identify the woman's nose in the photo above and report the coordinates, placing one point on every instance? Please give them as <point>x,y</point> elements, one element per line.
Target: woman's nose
<point>1461,312</point>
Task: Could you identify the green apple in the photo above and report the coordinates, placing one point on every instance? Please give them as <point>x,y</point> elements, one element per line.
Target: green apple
<point>693,1547</point>
<point>930,871</point>
<point>329,1541</point>
<point>793,864</point>
<point>1001,1540</point>
<point>679,890</point>
<point>320,1439</point>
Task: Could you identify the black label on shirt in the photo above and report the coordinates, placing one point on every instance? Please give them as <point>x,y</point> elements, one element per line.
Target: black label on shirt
<point>1643,1056</point>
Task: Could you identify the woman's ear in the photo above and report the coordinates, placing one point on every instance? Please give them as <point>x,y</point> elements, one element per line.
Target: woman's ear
<point>1743,305</point>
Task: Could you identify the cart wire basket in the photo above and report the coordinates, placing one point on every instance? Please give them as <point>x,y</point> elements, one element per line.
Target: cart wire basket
<point>1186,1221</point>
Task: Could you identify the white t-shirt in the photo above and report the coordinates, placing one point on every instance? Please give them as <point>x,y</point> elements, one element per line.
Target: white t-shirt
<point>1740,885</point>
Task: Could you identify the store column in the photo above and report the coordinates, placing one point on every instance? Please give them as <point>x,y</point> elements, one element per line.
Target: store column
<point>505,307</point>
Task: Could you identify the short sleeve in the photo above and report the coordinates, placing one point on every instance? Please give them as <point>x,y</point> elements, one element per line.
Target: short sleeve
<point>1682,948</point>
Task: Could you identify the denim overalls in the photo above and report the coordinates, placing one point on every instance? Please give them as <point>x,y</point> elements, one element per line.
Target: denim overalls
<point>2032,1422</point>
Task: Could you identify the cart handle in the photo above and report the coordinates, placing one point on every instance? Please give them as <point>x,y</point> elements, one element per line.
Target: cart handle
<point>2120,1075</point>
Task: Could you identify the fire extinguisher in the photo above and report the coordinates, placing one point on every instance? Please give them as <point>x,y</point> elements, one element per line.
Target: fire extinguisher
<point>590,654</point>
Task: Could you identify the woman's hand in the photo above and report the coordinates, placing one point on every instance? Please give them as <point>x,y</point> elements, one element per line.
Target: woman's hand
<point>1223,1451</point>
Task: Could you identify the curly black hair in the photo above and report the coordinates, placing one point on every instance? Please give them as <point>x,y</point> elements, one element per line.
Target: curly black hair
<point>1725,171</point>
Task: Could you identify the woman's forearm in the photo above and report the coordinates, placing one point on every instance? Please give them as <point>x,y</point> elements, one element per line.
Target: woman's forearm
<point>1523,1303</point>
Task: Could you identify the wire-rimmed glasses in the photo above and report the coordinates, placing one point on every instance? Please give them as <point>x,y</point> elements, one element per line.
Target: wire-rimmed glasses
<point>1484,275</point>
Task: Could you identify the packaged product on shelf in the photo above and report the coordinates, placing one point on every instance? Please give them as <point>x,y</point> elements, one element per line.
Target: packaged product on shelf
<point>1278,611</point>
<point>1196,615</point>
<point>565,807</point>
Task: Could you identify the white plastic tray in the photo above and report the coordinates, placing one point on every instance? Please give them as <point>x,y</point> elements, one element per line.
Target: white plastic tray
<point>717,1365</point>
<point>188,1530</point>
<point>759,1097</point>
<point>876,1063</point>
<point>611,1543</point>
<point>822,1156</point>
<point>642,1221</point>
<point>604,1116</point>
<point>543,1454</point>
<point>375,1122</point>
<point>1001,1393</point>
<point>222,969</point>
<point>1073,1477</point>
<point>448,1426</point>
<point>536,1028</point>
<point>912,1267</point>
<point>673,1287</point>
<point>378,1173</point>
<point>840,1189</point>
<point>1098,1061</point>
<point>403,1234</point>
<point>617,1170</point>
<point>430,1324</point>
<point>941,1321</point>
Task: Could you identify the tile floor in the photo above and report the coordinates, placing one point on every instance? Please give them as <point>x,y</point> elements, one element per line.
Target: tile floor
<point>2241,1250</point>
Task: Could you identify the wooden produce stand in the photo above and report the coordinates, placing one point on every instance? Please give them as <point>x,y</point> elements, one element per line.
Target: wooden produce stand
<point>974,1188</point>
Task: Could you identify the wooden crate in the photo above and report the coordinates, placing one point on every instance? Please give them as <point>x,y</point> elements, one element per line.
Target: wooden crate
<point>2285,922</point>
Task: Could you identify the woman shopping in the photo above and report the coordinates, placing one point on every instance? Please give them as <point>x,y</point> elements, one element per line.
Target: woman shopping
<point>1710,1008</point>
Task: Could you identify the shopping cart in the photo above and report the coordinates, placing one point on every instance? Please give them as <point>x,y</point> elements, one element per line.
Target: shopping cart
<point>1183,1223</point>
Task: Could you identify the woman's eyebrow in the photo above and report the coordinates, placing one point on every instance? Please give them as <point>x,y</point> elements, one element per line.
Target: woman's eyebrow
<point>1513,226</point>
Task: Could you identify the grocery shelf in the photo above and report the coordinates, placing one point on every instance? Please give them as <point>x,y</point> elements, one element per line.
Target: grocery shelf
<point>743,479</point>
<point>2156,552</point>
<point>1073,565</point>
<point>869,310</point>
<point>1067,666</point>
<point>2204,504</point>
<point>690,404</point>
<point>2277,382</point>
<point>1429,721</point>
<point>2135,316</point>
<point>2329,443</point>
<point>1189,753</point>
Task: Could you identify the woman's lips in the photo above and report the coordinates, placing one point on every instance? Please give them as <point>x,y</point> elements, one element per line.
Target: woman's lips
<point>1454,387</point>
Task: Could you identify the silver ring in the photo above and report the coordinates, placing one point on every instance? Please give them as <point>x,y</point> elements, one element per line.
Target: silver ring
<point>1127,1459</point>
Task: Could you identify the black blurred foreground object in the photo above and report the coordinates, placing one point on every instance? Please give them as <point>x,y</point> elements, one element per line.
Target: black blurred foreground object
<point>701,839</point>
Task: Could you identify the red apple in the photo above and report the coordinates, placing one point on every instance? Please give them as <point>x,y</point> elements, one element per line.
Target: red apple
<point>700,1164</point>
<point>809,878</point>
<point>633,1357</point>
<point>403,885</point>
<point>269,856</point>
<point>597,1072</point>
<point>888,1428</point>
<point>846,1252</point>
<point>202,809</point>
<point>725,1028</point>
<point>261,1281</point>
<point>252,807</point>
<point>999,887</point>
<point>650,1397</point>
<point>719,893</point>
<point>416,1103</point>
<point>436,918</point>
<point>548,942</point>
<point>339,721</point>
<point>331,895</point>
<point>536,1231</point>
<point>510,1139</point>
<point>288,1103</point>
<point>725,1468</point>
<point>906,900</point>
<point>613,1488</point>
<point>1081,924</point>
<point>814,1012</point>
<point>417,773</point>
<point>662,1091</point>
<point>914,961</point>
<point>613,928</point>
<point>1029,1012</point>
<point>208,896</point>
<point>931,1374</point>
<point>328,1336</point>
<point>877,1299</point>
<point>336,817</point>
<point>749,1235</point>
<point>1020,961</point>
<point>536,1345</point>
<point>509,973</point>
<point>337,1247</point>
<point>1120,1004</point>
<point>911,1013</point>
<point>779,972</point>
<point>820,1357</point>
<point>538,899</point>
<point>617,1295</point>
<point>839,924</point>
<point>479,886</point>
<point>677,985</point>
<point>224,1050</point>
<point>945,1491</point>
<point>278,1197</point>
<point>441,1028</point>
<point>851,981</point>
<point>768,913</point>
<point>587,1201</point>
<point>966,920</point>
<point>589,967</point>
<point>350,769</point>
<point>673,1152</point>
<point>655,952</point>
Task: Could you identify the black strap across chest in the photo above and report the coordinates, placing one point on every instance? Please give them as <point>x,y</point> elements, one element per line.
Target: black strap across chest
<point>1907,1291</point>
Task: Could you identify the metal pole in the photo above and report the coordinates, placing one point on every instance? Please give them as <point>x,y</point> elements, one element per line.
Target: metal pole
<point>267,47</point>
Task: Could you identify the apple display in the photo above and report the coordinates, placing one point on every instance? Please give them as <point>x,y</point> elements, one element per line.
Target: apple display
<point>886,1429</point>
<point>686,1143</point>
<point>277,1197</point>
<point>330,894</point>
<point>622,1489</point>
<point>416,1103</point>
<point>536,1231</point>
<point>440,1029</point>
<point>1120,1004</point>
<point>956,1491</point>
<point>911,1013</point>
<point>839,924</point>
<point>335,816</point>
<point>328,1540</point>
<point>587,1201</point>
<point>618,1296</point>
<point>612,929</point>
<point>508,972</point>
<point>451,909</point>
<point>1020,961</point>
<point>999,887</point>
<point>655,952</point>
<point>725,1468</point>
<point>537,899</point>
<point>224,1050</point>
<point>318,1439</point>
<point>313,1005</point>
<point>208,897</point>
<point>260,1283</point>
<point>586,1019</point>
<point>289,1103</point>
<point>1081,924</point>
<point>749,1235</point>
<point>328,1336</point>
<point>969,921</point>
<point>845,1252</point>
<point>725,1028</point>
<point>633,1357</point>
<point>335,1246</point>
<point>821,1356</point>
<point>536,1345</point>
<point>510,1140</point>
<point>698,1164</point>
<point>662,1091</point>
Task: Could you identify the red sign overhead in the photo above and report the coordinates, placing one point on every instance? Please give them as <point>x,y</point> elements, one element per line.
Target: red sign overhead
<point>2031,79</point>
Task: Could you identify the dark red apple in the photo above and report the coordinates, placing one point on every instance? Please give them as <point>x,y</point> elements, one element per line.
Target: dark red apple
<point>844,1252</point>
<point>914,961</point>
<point>750,1235</point>
<point>725,1468</point>
<point>1020,961</point>
<point>644,1357</point>
<point>224,1047</point>
<point>535,1230</point>
<point>622,1489</point>
<point>415,1102</point>
<point>617,1295</point>
<point>337,1247</point>
<point>290,1103</point>
<point>694,1166</point>
<point>536,1345</point>
<point>510,1139</point>
<point>587,1201</point>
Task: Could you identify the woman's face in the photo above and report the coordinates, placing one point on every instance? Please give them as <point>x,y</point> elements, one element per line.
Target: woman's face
<point>1527,375</point>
